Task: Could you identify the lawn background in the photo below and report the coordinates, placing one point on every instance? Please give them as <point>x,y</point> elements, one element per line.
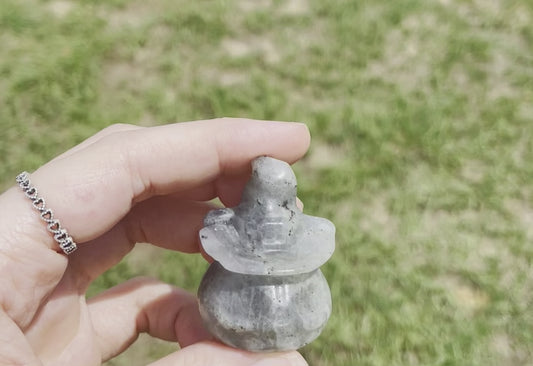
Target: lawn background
<point>421,116</point>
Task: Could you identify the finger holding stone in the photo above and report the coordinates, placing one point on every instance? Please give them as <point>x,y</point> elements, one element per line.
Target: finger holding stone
<point>91,189</point>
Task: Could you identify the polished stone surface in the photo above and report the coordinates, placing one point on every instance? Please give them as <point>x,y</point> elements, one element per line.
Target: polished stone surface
<point>264,313</point>
<point>264,292</point>
<point>267,234</point>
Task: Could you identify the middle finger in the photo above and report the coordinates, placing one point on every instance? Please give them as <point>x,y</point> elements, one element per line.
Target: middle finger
<point>166,222</point>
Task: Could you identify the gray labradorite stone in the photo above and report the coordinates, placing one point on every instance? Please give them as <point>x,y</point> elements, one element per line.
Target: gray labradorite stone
<point>264,292</point>
<point>264,313</point>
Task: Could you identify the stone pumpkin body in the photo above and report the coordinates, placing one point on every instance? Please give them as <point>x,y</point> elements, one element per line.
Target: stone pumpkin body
<point>265,291</point>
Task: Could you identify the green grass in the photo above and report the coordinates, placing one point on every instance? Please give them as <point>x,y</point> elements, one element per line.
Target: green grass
<point>422,120</point>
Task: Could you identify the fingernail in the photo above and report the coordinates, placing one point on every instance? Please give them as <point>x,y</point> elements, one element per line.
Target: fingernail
<point>293,359</point>
<point>299,204</point>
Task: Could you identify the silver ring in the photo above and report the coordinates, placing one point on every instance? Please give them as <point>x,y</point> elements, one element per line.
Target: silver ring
<point>61,236</point>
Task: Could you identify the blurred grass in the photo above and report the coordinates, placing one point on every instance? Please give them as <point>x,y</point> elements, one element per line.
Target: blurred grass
<point>421,116</point>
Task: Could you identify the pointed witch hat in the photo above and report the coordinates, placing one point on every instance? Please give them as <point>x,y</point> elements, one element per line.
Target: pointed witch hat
<point>266,234</point>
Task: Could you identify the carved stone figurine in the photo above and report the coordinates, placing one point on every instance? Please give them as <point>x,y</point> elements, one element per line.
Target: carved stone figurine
<point>265,291</point>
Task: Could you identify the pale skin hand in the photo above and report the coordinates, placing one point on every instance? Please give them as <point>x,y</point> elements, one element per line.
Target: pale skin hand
<point>125,185</point>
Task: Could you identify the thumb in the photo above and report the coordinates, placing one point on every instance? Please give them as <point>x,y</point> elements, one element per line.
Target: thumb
<point>210,354</point>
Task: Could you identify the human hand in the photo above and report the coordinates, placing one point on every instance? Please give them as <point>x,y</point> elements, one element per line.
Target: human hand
<point>124,185</point>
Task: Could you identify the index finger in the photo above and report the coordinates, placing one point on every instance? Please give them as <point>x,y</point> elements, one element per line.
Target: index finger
<point>93,188</point>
